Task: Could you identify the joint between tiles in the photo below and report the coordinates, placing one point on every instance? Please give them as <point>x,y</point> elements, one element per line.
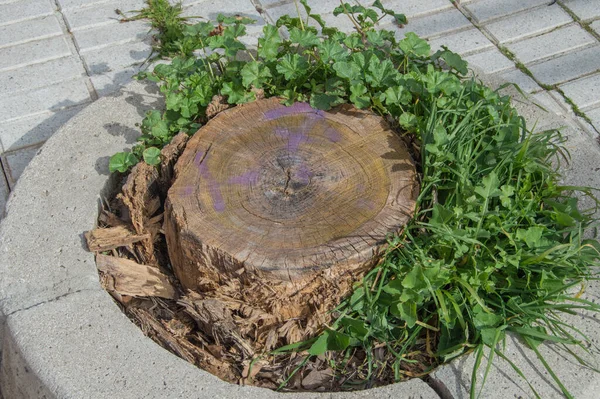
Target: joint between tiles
<point>74,48</point>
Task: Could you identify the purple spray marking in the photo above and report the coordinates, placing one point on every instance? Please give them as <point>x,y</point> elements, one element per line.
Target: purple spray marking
<point>213,186</point>
<point>333,135</point>
<point>296,108</point>
<point>303,175</point>
<point>246,179</point>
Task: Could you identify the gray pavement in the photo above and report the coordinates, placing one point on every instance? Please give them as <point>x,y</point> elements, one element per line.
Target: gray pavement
<point>57,56</point>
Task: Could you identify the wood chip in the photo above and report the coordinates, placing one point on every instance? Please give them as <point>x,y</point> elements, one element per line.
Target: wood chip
<point>104,239</point>
<point>127,277</point>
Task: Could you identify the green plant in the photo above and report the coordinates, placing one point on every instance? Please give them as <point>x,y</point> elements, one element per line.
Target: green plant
<point>495,241</point>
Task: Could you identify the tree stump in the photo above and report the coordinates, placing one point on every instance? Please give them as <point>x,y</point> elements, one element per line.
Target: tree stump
<point>286,203</point>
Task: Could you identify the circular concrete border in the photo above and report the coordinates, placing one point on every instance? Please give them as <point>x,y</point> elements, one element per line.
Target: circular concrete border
<point>62,335</point>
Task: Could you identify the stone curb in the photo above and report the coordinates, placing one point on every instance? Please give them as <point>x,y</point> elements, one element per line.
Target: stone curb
<point>62,335</point>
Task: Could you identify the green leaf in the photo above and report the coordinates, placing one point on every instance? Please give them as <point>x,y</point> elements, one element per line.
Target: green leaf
<point>292,66</point>
<point>380,73</point>
<point>397,95</point>
<point>268,44</point>
<point>325,101</point>
<point>489,187</point>
<point>347,70</point>
<point>235,92</point>
<point>359,96</point>
<point>454,61</point>
<point>406,311</point>
<point>407,120</point>
<point>413,44</point>
<point>337,341</point>
<point>152,156</point>
<point>255,74</point>
<point>121,162</point>
<point>160,130</point>
<point>355,327</point>
<point>320,345</point>
<point>304,38</point>
<point>332,51</point>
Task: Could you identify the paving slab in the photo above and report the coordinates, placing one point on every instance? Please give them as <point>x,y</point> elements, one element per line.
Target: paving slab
<point>42,74</point>
<point>584,9</point>
<point>525,82</point>
<point>112,34</point>
<point>33,52</point>
<point>559,41</point>
<point>15,162</point>
<point>584,92</point>
<point>594,115</point>
<point>99,13</point>
<point>36,128</point>
<point>414,8</point>
<point>534,22</point>
<point>117,57</point>
<point>22,10</point>
<point>484,10</point>
<point>4,191</point>
<point>490,61</point>
<point>433,25</point>
<point>32,29</point>
<point>56,96</point>
<point>65,4</point>
<point>596,26</point>
<point>464,42</point>
<point>568,67</point>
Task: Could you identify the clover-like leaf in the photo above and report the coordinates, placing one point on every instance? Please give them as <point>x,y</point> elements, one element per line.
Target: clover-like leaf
<point>151,156</point>
<point>255,74</point>
<point>292,66</point>
<point>413,44</point>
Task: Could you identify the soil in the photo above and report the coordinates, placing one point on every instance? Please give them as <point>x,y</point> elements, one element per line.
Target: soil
<point>229,321</point>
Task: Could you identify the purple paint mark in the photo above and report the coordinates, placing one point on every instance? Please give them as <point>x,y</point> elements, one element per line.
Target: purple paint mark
<point>213,186</point>
<point>294,141</point>
<point>333,135</point>
<point>366,204</point>
<point>303,175</point>
<point>246,179</point>
<point>188,190</point>
<point>296,108</point>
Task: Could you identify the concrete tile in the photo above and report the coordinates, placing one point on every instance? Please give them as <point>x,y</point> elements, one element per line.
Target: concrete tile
<point>270,3</point>
<point>111,82</point>
<point>468,41</point>
<point>561,40</point>
<point>433,25</point>
<point>46,73</point>
<point>584,92</point>
<point>529,23</point>
<point>525,83</point>
<point>33,52</point>
<point>584,9</point>
<point>4,191</point>
<point>116,58</point>
<point>594,115</point>
<point>107,35</point>
<point>567,67</point>
<point>64,4</point>
<point>550,102</point>
<point>212,8</point>
<point>24,9</point>
<point>414,8</point>
<point>15,162</point>
<point>484,10</point>
<point>596,26</point>
<point>490,61</point>
<point>35,129</point>
<point>60,95</point>
<point>99,14</point>
<point>32,29</point>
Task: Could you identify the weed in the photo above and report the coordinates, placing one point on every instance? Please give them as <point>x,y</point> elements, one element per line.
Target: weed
<point>495,241</point>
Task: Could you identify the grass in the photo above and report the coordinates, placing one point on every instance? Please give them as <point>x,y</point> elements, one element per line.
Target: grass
<point>495,242</point>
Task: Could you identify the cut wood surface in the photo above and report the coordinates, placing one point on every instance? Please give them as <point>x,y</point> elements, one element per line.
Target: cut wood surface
<point>285,193</point>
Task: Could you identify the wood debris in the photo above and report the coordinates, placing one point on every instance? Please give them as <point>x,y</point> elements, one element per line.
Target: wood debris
<point>127,277</point>
<point>104,239</point>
